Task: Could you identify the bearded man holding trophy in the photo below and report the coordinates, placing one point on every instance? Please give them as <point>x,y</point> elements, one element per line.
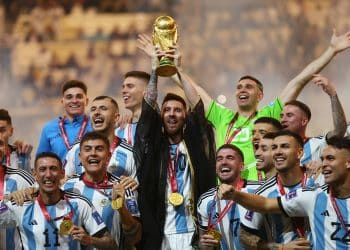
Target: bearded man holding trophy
<point>176,149</point>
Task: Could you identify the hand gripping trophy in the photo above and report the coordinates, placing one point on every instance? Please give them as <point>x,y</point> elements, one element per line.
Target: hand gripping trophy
<point>165,35</point>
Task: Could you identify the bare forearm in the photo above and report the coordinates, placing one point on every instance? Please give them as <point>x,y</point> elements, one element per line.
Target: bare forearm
<point>188,87</point>
<point>104,242</point>
<point>152,91</point>
<point>131,226</point>
<point>256,203</point>
<point>338,115</point>
<point>253,242</point>
<point>294,87</point>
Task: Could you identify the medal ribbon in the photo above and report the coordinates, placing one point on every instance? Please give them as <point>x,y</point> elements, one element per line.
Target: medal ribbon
<point>47,215</point>
<point>298,222</point>
<point>229,139</point>
<point>337,211</point>
<point>8,157</point>
<point>2,182</point>
<point>130,134</point>
<point>80,134</point>
<point>226,208</point>
<point>114,144</point>
<point>172,170</point>
<point>93,185</point>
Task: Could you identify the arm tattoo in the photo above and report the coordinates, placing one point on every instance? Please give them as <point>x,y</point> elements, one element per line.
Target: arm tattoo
<point>151,91</point>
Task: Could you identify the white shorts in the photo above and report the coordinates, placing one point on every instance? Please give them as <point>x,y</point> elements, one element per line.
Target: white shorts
<point>177,241</point>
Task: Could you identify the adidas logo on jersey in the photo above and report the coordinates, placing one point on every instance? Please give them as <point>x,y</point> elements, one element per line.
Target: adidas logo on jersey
<point>325,213</point>
<point>33,222</point>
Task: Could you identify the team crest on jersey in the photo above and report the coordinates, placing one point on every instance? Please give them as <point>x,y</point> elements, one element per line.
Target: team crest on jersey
<point>291,195</point>
<point>249,215</point>
<point>97,217</point>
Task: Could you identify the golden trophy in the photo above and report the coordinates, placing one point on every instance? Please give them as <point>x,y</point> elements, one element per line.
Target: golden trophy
<point>165,35</point>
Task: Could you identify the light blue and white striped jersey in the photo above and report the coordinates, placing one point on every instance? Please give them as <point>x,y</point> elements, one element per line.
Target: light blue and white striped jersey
<point>127,133</point>
<point>326,228</point>
<point>313,148</point>
<point>121,162</point>
<point>101,199</point>
<point>277,227</point>
<point>179,219</point>
<point>38,233</point>
<point>229,227</point>
<point>21,161</point>
<point>14,180</point>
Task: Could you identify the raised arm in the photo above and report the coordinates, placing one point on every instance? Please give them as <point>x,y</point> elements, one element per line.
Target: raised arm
<point>251,202</point>
<point>338,115</point>
<point>191,88</point>
<point>294,87</point>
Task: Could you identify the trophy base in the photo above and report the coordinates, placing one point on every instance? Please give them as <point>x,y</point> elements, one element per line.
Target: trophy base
<point>166,70</point>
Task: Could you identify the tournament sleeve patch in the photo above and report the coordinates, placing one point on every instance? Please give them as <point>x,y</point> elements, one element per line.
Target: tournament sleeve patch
<point>249,215</point>
<point>3,208</point>
<point>291,195</point>
<point>97,217</point>
<point>132,206</point>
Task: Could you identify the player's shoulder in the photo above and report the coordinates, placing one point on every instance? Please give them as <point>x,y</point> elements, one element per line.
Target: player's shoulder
<point>208,195</point>
<point>267,186</point>
<point>75,197</point>
<point>16,173</point>
<point>124,145</point>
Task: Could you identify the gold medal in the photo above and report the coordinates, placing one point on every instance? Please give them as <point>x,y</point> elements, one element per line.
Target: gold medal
<point>176,199</point>
<point>117,203</point>
<point>216,234</point>
<point>66,226</point>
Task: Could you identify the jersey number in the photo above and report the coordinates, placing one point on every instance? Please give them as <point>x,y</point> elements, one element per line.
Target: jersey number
<point>47,240</point>
<point>338,226</point>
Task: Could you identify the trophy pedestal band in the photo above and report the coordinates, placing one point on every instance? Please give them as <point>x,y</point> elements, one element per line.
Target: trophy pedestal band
<point>166,68</point>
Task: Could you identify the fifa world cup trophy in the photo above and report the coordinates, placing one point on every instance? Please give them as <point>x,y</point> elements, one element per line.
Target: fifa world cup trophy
<point>165,35</point>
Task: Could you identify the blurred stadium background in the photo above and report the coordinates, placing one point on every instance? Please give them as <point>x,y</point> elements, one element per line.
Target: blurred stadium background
<point>44,43</point>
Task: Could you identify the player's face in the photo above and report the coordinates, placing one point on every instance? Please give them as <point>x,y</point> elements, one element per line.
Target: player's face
<point>248,94</point>
<point>263,155</point>
<point>103,115</point>
<point>48,173</point>
<point>6,131</point>
<point>228,165</point>
<point>133,90</point>
<point>260,129</point>
<point>94,156</point>
<point>174,115</point>
<point>74,101</point>
<point>286,153</point>
<point>293,119</point>
<point>335,164</point>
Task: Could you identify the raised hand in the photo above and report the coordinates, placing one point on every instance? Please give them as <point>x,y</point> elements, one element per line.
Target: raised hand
<point>225,192</point>
<point>341,42</point>
<point>325,83</point>
<point>145,44</point>
<point>129,182</point>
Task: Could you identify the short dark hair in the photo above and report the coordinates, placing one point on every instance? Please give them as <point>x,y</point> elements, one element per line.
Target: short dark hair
<point>339,142</point>
<point>269,120</point>
<point>94,135</point>
<point>302,106</point>
<point>270,135</point>
<point>172,96</point>
<point>47,155</point>
<point>103,97</point>
<point>74,84</point>
<point>287,132</point>
<point>138,74</point>
<point>260,85</point>
<point>5,116</point>
<point>233,147</point>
